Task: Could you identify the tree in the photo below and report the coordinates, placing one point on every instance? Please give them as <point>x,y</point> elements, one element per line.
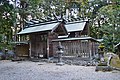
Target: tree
<point>110,26</point>
<point>6,22</point>
<point>6,19</point>
<point>104,18</point>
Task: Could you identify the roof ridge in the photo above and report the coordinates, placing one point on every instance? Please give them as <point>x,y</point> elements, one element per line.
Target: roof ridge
<point>39,24</point>
<point>75,22</point>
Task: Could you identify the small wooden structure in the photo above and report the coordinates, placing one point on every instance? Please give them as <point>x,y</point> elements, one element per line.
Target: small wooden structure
<point>74,36</point>
<point>41,36</point>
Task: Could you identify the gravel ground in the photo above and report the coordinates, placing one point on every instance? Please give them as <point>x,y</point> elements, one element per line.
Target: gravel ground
<point>27,70</point>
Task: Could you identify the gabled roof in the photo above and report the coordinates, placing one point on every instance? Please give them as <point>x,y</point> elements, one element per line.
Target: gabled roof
<point>39,28</point>
<point>50,26</point>
<point>76,26</point>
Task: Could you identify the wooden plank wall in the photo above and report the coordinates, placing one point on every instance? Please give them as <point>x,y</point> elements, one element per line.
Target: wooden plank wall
<point>51,36</point>
<point>79,48</point>
<point>22,50</point>
<point>94,48</point>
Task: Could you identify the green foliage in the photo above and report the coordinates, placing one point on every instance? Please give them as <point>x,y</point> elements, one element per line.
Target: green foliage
<point>110,26</point>
<point>42,8</point>
<point>6,19</point>
<point>105,19</point>
<point>0,37</point>
<point>6,22</point>
<point>53,6</point>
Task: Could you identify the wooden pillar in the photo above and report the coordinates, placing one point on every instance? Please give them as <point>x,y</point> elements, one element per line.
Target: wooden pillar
<point>48,46</point>
<point>30,50</point>
<point>90,52</point>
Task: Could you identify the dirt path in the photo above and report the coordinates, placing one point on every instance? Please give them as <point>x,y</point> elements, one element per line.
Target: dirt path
<point>50,71</point>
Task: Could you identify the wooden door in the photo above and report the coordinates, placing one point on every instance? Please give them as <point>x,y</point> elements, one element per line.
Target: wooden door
<point>41,49</point>
<point>39,45</point>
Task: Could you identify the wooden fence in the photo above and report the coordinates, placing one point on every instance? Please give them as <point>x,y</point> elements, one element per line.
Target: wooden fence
<point>81,48</point>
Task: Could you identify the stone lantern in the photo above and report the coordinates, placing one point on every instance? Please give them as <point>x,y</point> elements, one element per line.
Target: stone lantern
<point>60,52</point>
<point>6,51</point>
<point>101,52</point>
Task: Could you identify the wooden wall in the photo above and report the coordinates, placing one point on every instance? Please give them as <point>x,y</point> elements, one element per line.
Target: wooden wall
<point>94,48</point>
<point>22,50</point>
<point>81,48</point>
<point>50,44</point>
